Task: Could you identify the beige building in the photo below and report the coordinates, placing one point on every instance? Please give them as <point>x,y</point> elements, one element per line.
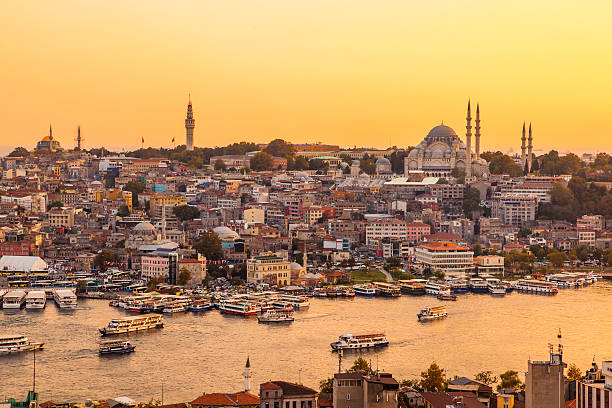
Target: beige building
<point>254,216</point>
<point>385,228</point>
<point>61,217</point>
<point>196,267</point>
<point>515,210</point>
<point>269,268</point>
<point>357,390</point>
<point>597,391</point>
<point>492,264</point>
<point>452,259</point>
<point>155,267</point>
<point>545,382</point>
<point>282,394</point>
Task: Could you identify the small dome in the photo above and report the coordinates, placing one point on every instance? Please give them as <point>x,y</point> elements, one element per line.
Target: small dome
<point>355,163</point>
<point>480,160</point>
<point>383,160</point>
<point>295,266</point>
<point>144,226</point>
<point>343,164</point>
<point>442,131</point>
<point>226,233</point>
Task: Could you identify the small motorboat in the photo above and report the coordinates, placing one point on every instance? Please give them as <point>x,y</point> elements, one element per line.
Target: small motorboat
<point>447,296</point>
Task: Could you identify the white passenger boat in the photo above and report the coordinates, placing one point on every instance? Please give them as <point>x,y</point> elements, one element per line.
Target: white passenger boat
<point>36,300</point>
<point>14,299</point>
<point>17,343</point>
<point>65,298</point>
<point>428,314</point>
<point>363,341</point>
<point>275,316</point>
<point>537,286</point>
<point>364,290</point>
<point>478,285</point>
<point>133,324</point>
<point>437,288</point>
<point>495,287</point>
<point>298,302</point>
<point>116,347</point>
<point>174,308</point>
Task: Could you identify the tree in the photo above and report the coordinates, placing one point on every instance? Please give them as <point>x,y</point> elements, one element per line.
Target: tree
<point>135,187</point>
<point>557,258</point>
<point>524,232</point>
<point>471,201</point>
<point>361,364</point>
<point>219,165</point>
<point>509,381</point>
<point>412,383</point>
<point>367,165</point>
<point>574,373</point>
<point>438,274</point>
<point>434,379</point>
<point>477,248</point>
<point>317,164</point>
<point>486,377</point>
<point>327,386</point>
<point>123,211</point>
<point>300,163</point>
<point>459,174</point>
<point>262,161</point>
<point>104,258</point>
<point>209,245</point>
<point>19,152</point>
<point>500,163</point>
<point>55,204</point>
<point>186,212</point>
<point>392,263</point>
<point>184,277</point>
<point>279,148</point>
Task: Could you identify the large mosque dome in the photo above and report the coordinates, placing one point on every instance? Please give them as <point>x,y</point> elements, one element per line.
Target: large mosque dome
<point>442,131</point>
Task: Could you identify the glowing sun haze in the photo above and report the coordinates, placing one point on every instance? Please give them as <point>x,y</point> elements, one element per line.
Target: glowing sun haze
<point>352,72</point>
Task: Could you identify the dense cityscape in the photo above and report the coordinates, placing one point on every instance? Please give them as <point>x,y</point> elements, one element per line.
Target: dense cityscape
<point>305,204</point>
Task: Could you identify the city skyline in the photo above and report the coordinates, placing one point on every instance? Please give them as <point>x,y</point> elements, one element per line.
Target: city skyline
<point>349,76</point>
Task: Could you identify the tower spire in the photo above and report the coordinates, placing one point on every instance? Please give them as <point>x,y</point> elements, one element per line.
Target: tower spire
<point>468,141</point>
<point>529,149</point>
<point>523,147</point>
<point>247,375</point>
<point>189,125</point>
<point>477,135</point>
<point>50,132</point>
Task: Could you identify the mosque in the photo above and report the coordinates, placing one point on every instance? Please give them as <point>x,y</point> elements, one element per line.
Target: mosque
<point>48,143</point>
<point>442,150</point>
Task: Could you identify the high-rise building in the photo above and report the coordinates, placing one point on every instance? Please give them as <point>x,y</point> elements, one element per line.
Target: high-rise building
<point>189,125</point>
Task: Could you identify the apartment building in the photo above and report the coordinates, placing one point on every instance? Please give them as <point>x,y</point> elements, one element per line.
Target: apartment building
<point>61,217</point>
<point>385,228</point>
<point>449,257</point>
<point>269,268</point>
<point>515,210</point>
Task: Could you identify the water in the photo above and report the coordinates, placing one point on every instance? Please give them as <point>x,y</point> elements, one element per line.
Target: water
<point>193,354</point>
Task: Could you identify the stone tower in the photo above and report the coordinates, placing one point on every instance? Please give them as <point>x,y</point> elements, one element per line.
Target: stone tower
<point>523,147</point>
<point>477,134</point>
<point>247,375</point>
<point>189,125</point>
<point>529,150</point>
<point>468,142</point>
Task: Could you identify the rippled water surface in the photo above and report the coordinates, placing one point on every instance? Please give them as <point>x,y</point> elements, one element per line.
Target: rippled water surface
<point>206,352</point>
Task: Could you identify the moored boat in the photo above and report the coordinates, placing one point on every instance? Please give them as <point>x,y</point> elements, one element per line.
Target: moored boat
<point>446,296</point>
<point>364,290</point>
<point>412,287</point>
<point>65,298</point>
<point>14,299</point>
<point>437,288</point>
<point>133,324</point>
<point>116,347</point>
<point>478,285</point>
<point>387,289</point>
<point>363,341</point>
<point>36,300</point>
<point>238,308</point>
<point>276,316</point>
<point>537,286</point>
<point>428,314</point>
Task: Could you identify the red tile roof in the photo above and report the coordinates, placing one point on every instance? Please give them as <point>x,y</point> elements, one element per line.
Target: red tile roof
<point>235,399</point>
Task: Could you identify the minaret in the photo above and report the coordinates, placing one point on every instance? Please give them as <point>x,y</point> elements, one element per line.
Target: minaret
<point>523,157</point>
<point>79,138</point>
<point>529,150</point>
<point>477,135</point>
<point>189,125</point>
<point>247,375</point>
<point>468,141</point>
<point>50,132</point>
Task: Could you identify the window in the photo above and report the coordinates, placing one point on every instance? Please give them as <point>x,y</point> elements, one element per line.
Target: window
<point>348,397</point>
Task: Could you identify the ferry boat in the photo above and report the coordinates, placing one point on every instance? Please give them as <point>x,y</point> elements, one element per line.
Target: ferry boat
<point>364,290</point>
<point>346,291</point>
<point>14,299</point>
<point>450,296</point>
<point>509,286</point>
<point>275,316</point>
<point>65,298</point>
<point>437,288</point>
<point>537,286</point>
<point>133,324</point>
<point>459,287</point>
<point>319,292</point>
<point>298,302</point>
<point>239,308</point>
<point>36,300</point>
<point>17,343</point>
<point>478,285</point>
<point>357,342</point>
<point>174,308</point>
<point>495,287</point>
<point>412,287</point>
<point>332,292</point>
<point>428,314</point>
<point>116,347</point>
<point>387,289</point>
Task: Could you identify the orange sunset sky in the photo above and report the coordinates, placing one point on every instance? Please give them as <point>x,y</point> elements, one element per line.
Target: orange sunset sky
<point>370,73</point>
